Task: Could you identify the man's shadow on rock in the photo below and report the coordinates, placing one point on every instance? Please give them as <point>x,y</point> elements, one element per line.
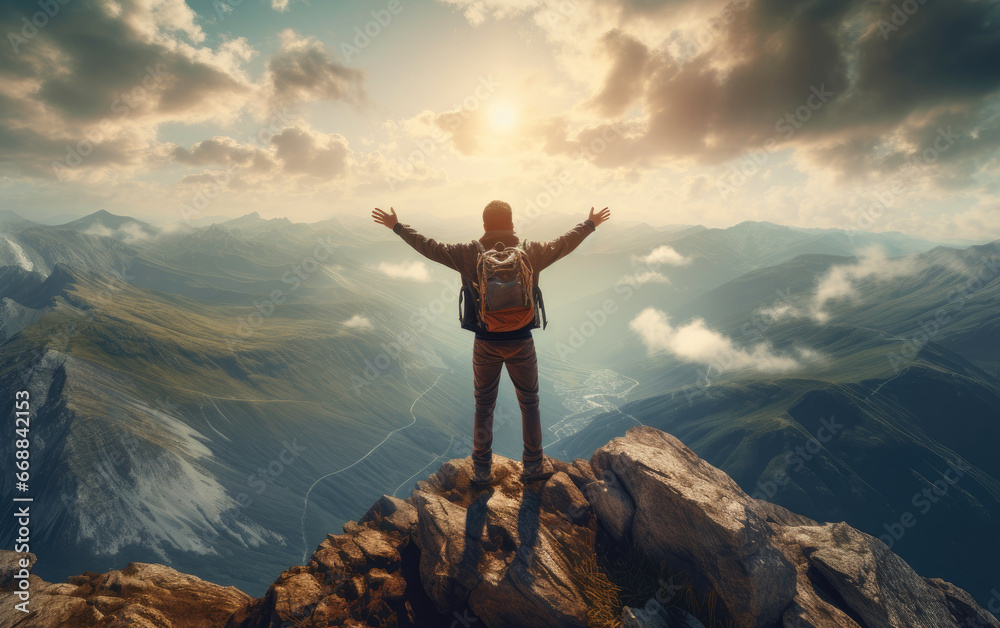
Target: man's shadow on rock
<point>475,524</point>
<point>527,531</point>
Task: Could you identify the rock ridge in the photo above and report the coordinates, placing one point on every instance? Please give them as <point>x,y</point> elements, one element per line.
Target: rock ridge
<point>645,534</point>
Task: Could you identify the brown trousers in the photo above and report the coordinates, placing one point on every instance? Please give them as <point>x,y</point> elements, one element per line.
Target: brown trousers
<point>488,359</point>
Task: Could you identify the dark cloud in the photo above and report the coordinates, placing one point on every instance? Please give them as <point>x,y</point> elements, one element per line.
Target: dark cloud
<point>303,153</point>
<point>292,151</point>
<point>224,151</point>
<point>85,86</point>
<point>27,152</point>
<point>304,71</point>
<point>105,67</point>
<point>889,80</point>
<point>100,82</point>
<point>624,81</point>
<point>947,52</point>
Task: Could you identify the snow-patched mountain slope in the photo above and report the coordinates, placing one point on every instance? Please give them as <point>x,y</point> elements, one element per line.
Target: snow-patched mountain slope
<point>130,475</point>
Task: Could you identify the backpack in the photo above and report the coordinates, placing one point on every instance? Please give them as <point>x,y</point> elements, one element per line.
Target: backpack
<point>504,297</point>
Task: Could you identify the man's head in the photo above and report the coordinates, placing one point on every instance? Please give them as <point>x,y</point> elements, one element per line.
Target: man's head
<point>498,216</point>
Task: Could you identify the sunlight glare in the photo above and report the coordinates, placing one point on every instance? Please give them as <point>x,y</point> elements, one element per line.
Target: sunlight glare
<point>503,117</point>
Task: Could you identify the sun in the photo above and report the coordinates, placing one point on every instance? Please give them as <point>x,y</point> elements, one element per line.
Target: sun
<point>503,117</point>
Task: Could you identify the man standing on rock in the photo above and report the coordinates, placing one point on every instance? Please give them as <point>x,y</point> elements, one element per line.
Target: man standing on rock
<point>502,306</point>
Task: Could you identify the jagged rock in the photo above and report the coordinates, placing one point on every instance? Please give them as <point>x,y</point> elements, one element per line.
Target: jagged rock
<point>391,514</point>
<point>10,563</point>
<point>141,595</point>
<point>816,603</point>
<point>527,555</point>
<point>579,471</point>
<point>643,617</point>
<point>686,510</point>
<point>378,549</point>
<point>782,516</point>
<point>877,585</point>
<point>614,506</point>
<point>353,579</point>
<point>448,571</point>
<point>507,552</point>
<point>963,608</point>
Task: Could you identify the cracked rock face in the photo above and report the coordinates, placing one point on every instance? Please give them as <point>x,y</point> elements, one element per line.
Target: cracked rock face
<point>876,587</point>
<point>614,506</point>
<point>769,566</point>
<point>694,516</point>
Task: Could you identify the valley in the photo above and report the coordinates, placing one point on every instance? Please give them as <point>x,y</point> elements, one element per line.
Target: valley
<point>216,396</point>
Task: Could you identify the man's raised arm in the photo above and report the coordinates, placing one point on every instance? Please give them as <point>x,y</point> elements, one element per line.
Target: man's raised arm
<point>447,254</point>
<point>547,253</point>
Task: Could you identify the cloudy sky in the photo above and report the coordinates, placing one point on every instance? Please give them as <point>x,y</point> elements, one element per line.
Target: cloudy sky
<point>862,114</point>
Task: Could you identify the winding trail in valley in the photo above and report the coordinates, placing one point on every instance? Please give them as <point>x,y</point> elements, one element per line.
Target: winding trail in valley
<point>436,458</point>
<point>305,505</point>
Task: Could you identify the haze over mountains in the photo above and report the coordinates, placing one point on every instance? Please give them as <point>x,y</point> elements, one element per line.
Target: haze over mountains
<point>237,390</point>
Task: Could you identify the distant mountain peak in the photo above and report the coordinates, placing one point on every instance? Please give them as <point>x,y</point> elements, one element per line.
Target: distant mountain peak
<point>103,214</point>
<point>251,217</point>
<point>219,233</point>
<point>103,218</point>
<point>761,225</point>
<point>254,219</point>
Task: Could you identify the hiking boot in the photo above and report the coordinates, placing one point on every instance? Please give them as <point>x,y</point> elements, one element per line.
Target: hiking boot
<point>483,474</point>
<point>536,470</point>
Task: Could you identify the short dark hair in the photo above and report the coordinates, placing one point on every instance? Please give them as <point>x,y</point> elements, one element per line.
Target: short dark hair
<point>498,215</point>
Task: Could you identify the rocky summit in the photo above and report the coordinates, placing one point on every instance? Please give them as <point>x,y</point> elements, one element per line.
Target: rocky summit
<point>141,595</point>
<point>645,534</point>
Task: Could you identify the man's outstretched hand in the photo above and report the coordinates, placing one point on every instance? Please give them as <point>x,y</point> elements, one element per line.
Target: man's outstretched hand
<point>382,218</point>
<point>599,217</point>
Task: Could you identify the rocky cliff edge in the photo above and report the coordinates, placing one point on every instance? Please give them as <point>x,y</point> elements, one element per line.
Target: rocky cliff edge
<point>645,534</point>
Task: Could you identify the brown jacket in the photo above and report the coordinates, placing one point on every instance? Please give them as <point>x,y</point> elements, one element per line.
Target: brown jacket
<point>462,257</point>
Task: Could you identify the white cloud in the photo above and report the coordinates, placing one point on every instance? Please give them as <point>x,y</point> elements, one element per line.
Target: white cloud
<point>280,5</point>
<point>651,261</point>
<point>842,282</point>
<point>406,270</point>
<point>133,232</point>
<point>695,342</point>
<point>476,11</point>
<point>663,255</point>
<point>779,311</point>
<point>359,322</point>
<point>130,233</point>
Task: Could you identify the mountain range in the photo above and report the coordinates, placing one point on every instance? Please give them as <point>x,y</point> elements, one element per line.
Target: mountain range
<point>216,396</point>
